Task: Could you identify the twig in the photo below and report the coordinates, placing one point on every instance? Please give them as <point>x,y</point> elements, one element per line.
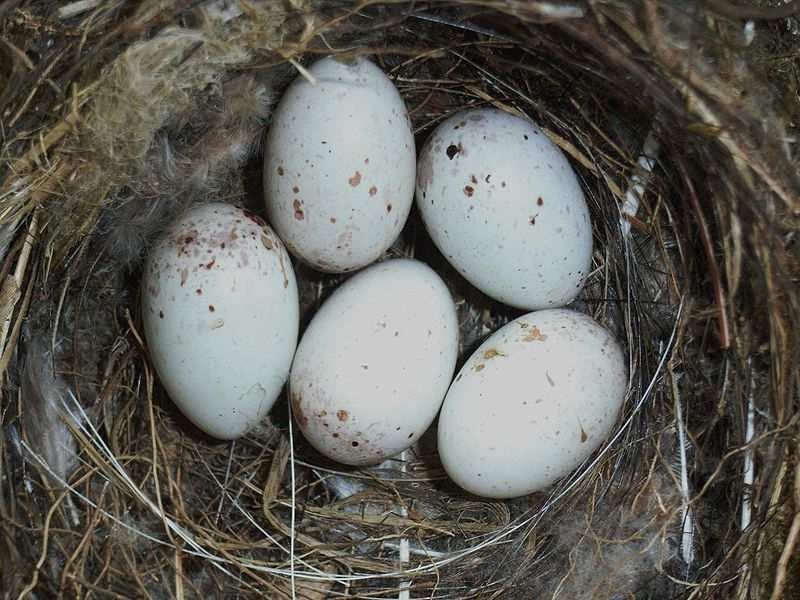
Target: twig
<point>43,556</point>
<point>225,483</point>
<point>85,540</point>
<point>294,504</point>
<point>721,462</point>
<point>35,88</point>
<point>716,278</point>
<point>179,591</point>
<point>12,287</point>
<point>305,73</point>
<point>791,542</point>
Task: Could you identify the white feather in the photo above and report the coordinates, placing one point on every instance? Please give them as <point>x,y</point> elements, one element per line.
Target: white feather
<point>749,474</point>
<point>43,393</point>
<point>687,517</point>
<point>638,182</point>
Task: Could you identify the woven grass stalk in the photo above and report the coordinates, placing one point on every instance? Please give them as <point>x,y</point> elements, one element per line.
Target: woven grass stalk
<point>679,118</point>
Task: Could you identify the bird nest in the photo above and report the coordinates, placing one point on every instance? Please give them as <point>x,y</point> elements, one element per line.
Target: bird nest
<point>677,118</point>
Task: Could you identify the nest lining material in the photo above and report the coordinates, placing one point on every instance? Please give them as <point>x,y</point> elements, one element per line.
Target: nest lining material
<point>117,118</point>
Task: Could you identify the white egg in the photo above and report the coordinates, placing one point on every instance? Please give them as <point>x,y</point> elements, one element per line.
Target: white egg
<point>535,400</point>
<point>340,166</point>
<point>374,364</point>
<point>502,203</point>
<point>221,313</point>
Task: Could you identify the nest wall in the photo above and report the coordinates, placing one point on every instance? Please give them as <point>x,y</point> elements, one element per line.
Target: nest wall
<point>679,121</point>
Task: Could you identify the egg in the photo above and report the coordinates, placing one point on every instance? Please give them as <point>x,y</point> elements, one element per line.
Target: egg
<point>339,166</point>
<point>374,364</point>
<point>220,313</point>
<point>503,205</point>
<point>534,401</point>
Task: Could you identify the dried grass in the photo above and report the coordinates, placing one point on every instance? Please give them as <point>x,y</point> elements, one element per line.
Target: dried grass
<point>116,118</point>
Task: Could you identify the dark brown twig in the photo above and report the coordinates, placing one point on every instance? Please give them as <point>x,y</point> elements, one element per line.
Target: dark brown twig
<point>708,247</point>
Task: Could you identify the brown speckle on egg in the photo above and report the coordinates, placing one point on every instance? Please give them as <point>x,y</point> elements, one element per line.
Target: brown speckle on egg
<point>534,335</point>
<point>468,191</point>
<point>342,415</point>
<point>355,180</point>
<point>373,190</point>
<point>298,210</point>
<point>297,409</point>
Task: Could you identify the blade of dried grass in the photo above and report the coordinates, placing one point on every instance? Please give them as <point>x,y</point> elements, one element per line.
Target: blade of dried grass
<point>45,541</point>
<point>792,540</point>
<point>11,291</point>
<point>270,494</point>
<point>716,277</point>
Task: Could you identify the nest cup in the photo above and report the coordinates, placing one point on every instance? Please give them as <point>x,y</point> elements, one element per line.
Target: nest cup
<point>117,118</point>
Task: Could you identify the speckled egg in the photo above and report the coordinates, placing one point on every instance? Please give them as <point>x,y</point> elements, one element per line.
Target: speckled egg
<point>504,206</point>
<point>340,165</point>
<point>374,364</point>
<point>220,312</point>
<point>534,401</point>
